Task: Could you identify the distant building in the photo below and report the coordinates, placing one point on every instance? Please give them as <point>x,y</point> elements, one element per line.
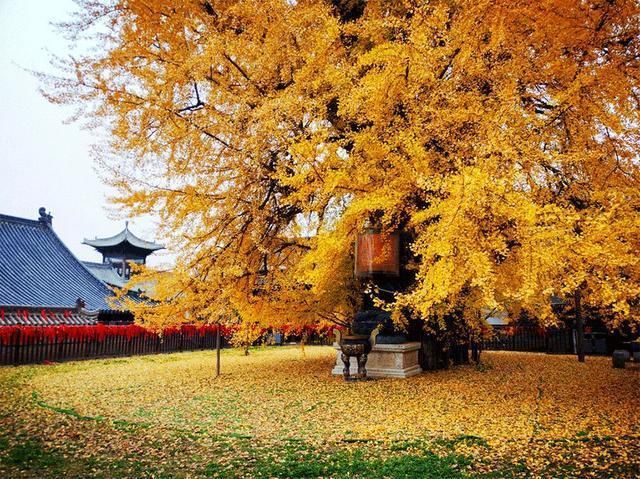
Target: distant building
<point>41,281</point>
<point>117,252</point>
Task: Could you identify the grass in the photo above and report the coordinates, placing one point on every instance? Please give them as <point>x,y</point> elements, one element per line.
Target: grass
<point>278,413</point>
<point>299,463</point>
<point>31,456</point>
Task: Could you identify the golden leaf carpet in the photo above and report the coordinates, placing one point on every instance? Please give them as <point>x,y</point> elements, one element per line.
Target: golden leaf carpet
<point>540,412</point>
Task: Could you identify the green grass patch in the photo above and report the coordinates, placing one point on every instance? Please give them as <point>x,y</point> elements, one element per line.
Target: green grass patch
<point>31,456</point>
<point>67,411</point>
<point>297,461</point>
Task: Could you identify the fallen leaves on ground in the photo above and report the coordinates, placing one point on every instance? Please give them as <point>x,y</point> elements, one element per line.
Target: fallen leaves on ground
<point>537,414</point>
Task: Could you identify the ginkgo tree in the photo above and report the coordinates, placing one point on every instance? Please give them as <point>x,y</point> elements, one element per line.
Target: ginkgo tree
<point>500,135</point>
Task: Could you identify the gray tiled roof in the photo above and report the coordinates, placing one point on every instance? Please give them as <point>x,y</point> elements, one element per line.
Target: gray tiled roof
<point>124,236</point>
<point>38,270</point>
<point>105,273</point>
<point>45,318</point>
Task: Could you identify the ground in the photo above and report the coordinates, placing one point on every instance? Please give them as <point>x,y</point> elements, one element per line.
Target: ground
<point>279,413</point>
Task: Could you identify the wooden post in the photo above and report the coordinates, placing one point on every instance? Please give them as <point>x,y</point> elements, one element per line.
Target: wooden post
<point>218,351</point>
<point>16,343</point>
<point>579,326</point>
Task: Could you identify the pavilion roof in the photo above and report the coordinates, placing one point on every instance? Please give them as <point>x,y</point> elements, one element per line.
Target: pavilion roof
<point>125,236</point>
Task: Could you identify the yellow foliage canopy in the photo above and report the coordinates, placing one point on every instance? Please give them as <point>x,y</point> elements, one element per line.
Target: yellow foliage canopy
<point>501,135</point>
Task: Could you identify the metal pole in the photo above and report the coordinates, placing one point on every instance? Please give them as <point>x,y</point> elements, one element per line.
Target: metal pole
<point>218,350</point>
<point>579,326</point>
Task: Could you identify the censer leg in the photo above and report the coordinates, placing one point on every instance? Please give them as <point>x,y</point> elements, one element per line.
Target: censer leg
<point>362,361</point>
<point>346,371</point>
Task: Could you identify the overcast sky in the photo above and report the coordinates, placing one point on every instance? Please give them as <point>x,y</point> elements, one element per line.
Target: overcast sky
<point>44,162</point>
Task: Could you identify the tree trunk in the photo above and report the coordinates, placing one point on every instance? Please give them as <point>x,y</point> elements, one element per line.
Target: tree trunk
<point>475,351</point>
<point>579,326</point>
<point>218,351</point>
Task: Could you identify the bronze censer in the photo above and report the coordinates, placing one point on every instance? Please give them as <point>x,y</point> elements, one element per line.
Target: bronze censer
<point>358,346</point>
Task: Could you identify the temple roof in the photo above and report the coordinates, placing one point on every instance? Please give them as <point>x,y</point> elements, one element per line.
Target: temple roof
<point>38,271</point>
<point>105,273</point>
<point>125,236</point>
<point>46,318</point>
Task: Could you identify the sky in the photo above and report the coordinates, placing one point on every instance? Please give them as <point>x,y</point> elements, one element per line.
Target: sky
<point>43,161</point>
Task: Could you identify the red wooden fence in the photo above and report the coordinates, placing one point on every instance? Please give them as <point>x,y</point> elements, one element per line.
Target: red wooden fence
<point>37,344</point>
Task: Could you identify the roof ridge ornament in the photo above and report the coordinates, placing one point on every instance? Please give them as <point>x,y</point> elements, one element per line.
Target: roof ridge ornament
<point>45,217</point>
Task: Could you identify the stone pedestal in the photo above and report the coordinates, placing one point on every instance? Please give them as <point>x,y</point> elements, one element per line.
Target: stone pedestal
<point>620,357</point>
<point>386,361</point>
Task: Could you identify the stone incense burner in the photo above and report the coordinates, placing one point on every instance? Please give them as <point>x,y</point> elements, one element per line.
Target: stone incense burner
<point>358,346</point>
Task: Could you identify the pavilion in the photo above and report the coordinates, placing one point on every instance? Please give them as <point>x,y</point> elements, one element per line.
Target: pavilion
<point>118,252</point>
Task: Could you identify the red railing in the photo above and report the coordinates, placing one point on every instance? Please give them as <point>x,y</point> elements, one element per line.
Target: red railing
<point>37,344</point>
<point>42,344</point>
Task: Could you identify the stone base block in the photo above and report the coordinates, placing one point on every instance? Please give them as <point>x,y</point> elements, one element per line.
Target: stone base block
<point>385,361</point>
<point>620,357</point>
